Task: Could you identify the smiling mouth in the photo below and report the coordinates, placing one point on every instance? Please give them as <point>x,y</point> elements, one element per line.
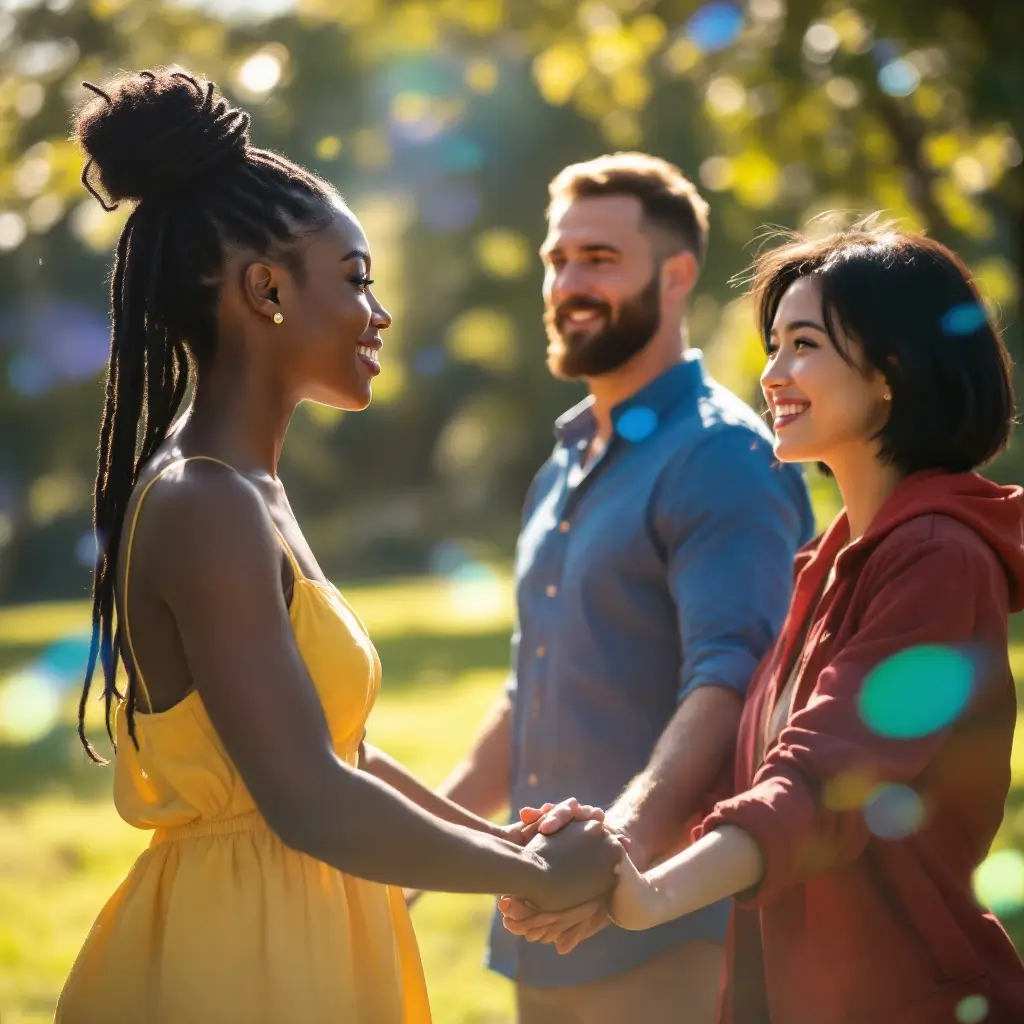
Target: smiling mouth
<point>580,319</point>
<point>787,412</point>
<point>369,357</point>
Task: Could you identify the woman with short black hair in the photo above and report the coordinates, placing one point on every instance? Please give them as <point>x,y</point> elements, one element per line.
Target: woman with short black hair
<point>873,759</point>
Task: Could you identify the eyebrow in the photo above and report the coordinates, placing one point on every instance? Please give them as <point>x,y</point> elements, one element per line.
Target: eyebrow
<point>796,324</point>
<point>355,254</point>
<point>591,247</point>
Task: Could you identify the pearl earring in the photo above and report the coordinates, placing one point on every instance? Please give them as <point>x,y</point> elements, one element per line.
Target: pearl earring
<point>887,397</point>
<point>279,317</point>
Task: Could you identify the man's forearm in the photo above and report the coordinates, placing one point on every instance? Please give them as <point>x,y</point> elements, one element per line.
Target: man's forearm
<point>375,762</point>
<point>656,806</point>
<point>481,782</point>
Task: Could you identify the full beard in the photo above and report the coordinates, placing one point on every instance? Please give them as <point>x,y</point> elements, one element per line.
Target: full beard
<point>575,354</point>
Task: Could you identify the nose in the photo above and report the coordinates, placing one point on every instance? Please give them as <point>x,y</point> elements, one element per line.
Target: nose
<point>775,373</point>
<point>381,318</point>
<point>569,281</point>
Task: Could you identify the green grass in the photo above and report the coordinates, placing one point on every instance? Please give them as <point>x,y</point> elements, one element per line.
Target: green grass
<point>63,848</point>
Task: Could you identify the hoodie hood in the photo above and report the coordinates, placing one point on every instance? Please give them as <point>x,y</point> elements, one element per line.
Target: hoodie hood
<point>995,512</point>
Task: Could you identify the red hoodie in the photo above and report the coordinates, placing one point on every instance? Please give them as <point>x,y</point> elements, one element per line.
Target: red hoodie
<point>846,927</point>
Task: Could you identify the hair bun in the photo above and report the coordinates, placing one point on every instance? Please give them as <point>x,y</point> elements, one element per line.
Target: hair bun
<point>155,133</point>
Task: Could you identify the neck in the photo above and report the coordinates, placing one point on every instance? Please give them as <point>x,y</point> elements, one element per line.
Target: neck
<point>240,414</point>
<point>864,483</point>
<point>663,351</point>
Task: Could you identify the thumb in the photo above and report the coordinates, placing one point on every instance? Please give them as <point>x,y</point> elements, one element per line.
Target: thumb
<point>528,815</point>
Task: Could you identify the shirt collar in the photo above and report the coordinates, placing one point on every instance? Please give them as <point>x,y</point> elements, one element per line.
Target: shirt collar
<point>679,384</point>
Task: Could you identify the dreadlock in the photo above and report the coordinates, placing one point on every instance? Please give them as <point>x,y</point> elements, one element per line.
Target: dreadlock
<point>162,140</point>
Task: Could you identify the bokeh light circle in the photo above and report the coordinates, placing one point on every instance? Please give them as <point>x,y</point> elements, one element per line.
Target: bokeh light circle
<point>916,692</point>
<point>972,1010</point>
<point>637,424</point>
<point>30,706</point>
<point>999,882</point>
<point>964,319</point>
<point>715,26</point>
<point>893,811</point>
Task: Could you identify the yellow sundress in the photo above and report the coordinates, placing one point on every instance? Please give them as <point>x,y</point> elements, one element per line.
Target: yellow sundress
<point>218,921</point>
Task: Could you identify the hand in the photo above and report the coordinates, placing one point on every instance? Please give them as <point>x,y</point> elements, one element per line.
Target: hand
<point>579,865</point>
<point>635,903</point>
<point>566,929</point>
<point>551,818</point>
<point>530,819</point>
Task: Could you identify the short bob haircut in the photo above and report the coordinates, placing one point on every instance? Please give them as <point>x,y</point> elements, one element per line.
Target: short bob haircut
<point>910,306</point>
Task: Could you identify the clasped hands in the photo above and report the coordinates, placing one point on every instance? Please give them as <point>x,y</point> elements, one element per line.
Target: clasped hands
<point>626,900</point>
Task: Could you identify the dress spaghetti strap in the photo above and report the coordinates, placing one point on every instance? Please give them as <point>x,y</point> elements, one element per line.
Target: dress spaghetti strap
<point>128,559</point>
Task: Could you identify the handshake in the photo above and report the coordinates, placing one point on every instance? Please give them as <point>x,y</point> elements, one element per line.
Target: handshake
<point>589,878</point>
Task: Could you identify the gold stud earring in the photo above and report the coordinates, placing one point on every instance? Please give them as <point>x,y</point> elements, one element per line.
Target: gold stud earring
<point>887,397</point>
<point>279,317</point>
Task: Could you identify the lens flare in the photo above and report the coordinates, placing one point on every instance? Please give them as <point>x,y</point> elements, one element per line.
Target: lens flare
<point>715,26</point>
<point>637,424</point>
<point>972,1010</point>
<point>893,812</point>
<point>29,706</point>
<point>999,882</point>
<point>917,692</point>
<point>964,319</point>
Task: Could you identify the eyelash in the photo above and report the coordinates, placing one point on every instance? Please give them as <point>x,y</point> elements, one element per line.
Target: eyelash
<point>771,349</point>
<point>361,282</point>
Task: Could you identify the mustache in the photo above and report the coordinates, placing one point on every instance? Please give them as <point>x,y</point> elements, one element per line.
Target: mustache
<point>557,316</point>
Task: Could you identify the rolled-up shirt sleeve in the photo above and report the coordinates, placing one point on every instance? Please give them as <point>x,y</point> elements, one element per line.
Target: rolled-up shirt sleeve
<point>730,520</point>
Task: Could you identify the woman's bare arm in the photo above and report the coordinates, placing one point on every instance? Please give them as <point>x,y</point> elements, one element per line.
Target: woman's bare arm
<point>212,556</point>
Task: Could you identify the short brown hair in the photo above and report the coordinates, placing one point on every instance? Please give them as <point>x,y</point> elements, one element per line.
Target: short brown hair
<point>915,312</point>
<point>669,199</point>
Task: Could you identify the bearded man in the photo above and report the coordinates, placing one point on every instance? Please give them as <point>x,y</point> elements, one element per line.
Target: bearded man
<point>652,573</point>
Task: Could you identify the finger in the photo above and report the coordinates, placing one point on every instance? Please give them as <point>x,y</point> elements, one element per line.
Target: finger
<point>528,815</point>
<point>550,935</point>
<point>537,922</point>
<point>517,910</point>
<point>548,926</point>
<point>581,926</point>
<point>570,939</point>
<point>510,924</point>
<point>527,832</point>
<point>559,817</point>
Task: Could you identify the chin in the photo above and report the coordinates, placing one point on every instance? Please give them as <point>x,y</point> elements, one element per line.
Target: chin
<point>349,400</point>
<point>556,367</point>
<point>786,451</point>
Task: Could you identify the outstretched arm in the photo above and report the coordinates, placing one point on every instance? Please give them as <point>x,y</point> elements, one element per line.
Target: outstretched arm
<point>720,864</point>
<point>212,557</point>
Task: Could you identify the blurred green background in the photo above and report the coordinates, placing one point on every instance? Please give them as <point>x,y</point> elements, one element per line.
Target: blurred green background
<point>442,122</point>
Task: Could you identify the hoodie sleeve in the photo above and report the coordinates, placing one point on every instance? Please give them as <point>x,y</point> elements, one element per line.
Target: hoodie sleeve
<point>931,592</point>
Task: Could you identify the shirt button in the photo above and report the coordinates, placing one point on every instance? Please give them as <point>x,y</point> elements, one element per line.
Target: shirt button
<point>541,651</point>
<point>533,780</point>
<point>564,526</point>
<point>552,590</point>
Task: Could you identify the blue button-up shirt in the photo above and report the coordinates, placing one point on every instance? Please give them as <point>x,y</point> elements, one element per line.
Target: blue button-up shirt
<point>663,566</point>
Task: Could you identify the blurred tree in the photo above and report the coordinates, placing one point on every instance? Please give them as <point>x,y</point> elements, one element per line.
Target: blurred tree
<point>442,121</point>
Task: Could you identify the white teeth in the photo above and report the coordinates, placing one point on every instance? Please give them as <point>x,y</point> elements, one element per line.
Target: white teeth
<point>367,353</point>
<point>790,409</point>
<point>582,314</point>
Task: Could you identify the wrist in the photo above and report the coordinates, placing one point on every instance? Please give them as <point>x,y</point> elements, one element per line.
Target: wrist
<point>537,875</point>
